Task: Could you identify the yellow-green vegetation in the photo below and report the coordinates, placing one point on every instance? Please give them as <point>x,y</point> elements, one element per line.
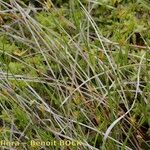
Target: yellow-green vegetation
<point>75,75</point>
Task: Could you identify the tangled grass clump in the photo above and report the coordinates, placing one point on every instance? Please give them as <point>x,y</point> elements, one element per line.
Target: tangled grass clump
<point>76,71</point>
